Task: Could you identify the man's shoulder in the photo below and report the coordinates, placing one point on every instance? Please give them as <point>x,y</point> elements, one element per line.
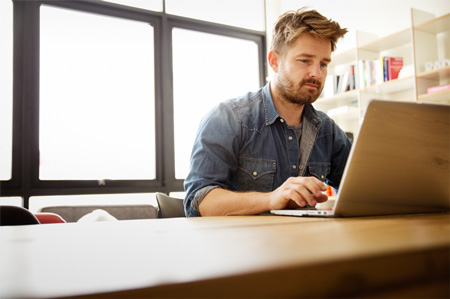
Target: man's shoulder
<point>249,99</point>
<point>242,109</point>
<point>249,110</point>
<point>247,105</point>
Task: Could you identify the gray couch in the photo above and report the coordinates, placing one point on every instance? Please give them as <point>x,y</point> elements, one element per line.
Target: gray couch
<point>121,212</point>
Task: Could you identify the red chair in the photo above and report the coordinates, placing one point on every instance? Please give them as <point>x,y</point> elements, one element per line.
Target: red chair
<point>45,218</point>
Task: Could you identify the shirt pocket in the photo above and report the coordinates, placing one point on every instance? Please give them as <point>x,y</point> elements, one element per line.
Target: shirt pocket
<point>255,174</point>
<point>319,170</point>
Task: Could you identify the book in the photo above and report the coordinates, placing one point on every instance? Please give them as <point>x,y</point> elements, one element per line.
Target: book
<point>394,67</point>
<point>377,71</point>
<point>438,88</point>
<point>336,83</point>
<point>385,68</point>
<point>351,78</point>
<point>371,72</point>
<point>343,83</point>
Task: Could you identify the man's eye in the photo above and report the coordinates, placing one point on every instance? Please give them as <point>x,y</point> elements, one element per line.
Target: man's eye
<point>324,65</point>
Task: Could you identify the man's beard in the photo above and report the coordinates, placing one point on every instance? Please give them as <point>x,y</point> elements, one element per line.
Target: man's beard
<point>295,94</point>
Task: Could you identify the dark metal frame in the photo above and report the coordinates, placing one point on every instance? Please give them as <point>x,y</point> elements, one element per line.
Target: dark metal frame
<point>25,161</point>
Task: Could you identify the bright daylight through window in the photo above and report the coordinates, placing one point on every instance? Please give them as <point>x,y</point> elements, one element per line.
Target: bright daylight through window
<point>6,56</point>
<point>96,97</point>
<point>223,68</point>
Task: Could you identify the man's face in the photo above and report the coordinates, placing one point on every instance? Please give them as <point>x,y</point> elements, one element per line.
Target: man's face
<point>302,69</point>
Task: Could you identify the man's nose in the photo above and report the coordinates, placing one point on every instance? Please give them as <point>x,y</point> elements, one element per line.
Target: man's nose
<point>315,71</point>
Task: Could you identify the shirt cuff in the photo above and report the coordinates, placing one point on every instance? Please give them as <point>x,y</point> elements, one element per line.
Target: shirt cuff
<point>200,195</point>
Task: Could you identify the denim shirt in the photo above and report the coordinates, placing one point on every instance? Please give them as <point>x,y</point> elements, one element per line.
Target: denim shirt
<point>243,144</point>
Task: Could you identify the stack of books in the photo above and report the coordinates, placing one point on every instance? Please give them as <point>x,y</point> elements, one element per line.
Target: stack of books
<point>380,70</point>
<point>335,84</point>
<point>346,81</point>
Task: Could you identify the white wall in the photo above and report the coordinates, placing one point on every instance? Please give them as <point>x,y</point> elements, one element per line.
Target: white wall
<point>380,17</point>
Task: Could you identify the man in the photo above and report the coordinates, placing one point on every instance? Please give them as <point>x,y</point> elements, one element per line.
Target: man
<point>271,149</point>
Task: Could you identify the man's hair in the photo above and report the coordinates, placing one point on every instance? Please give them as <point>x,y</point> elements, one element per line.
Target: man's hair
<point>293,23</point>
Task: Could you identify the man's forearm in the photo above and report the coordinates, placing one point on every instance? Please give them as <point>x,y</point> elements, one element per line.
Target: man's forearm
<point>222,202</point>
<point>294,192</point>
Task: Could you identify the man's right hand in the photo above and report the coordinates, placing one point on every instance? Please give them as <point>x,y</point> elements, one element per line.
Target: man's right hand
<point>298,192</point>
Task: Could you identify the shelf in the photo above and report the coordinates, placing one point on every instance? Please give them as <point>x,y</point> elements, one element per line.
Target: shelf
<point>440,24</point>
<point>439,74</point>
<point>388,42</point>
<point>441,97</point>
<point>391,86</point>
<point>340,97</point>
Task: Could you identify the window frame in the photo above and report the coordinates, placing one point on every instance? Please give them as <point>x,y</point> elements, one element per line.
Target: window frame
<point>25,180</point>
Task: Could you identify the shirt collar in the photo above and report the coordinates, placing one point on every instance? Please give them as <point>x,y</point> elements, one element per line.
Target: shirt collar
<point>272,114</point>
<point>310,114</point>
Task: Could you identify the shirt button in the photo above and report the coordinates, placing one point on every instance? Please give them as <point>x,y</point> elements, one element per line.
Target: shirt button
<point>282,120</point>
<point>290,138</point>
<point>310,142</point>
<point>301,166</point>
<point>255,173</point>
<point>322,177</point>
<point>294,166</point>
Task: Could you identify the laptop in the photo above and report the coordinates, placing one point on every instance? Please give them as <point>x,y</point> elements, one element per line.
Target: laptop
<point>399,164</point>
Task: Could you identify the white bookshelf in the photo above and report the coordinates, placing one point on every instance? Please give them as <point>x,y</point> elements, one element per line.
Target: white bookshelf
<point>432,43</point>
<point>427,39</point>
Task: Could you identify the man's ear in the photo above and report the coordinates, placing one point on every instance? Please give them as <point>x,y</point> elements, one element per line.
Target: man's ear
<point>274,59</point>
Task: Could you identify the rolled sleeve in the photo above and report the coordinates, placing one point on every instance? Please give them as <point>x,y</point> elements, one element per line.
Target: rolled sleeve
<point>213,158</point>
<point>197,199</point>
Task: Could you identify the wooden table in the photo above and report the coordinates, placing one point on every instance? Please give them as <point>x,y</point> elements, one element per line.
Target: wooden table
<point>253,256</point>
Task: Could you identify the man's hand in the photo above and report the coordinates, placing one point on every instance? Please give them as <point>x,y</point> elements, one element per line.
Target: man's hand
<point>298,191</point>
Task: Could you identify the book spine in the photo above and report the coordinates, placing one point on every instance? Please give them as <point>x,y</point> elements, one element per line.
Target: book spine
<point>352,78</point>
<point>385,68</point>
<point>343,83</point>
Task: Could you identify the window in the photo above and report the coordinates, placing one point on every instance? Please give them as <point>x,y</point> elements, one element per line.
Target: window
<point>108,95</point>
<point>6,58</point>
<point>97,116</point>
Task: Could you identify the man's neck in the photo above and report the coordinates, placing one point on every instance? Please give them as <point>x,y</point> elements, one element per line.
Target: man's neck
<point>291,112</point>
